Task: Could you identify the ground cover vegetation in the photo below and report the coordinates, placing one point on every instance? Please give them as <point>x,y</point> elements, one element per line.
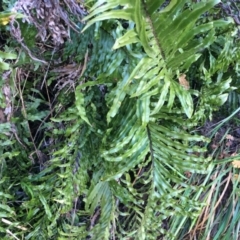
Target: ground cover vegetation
<point>119,119</point>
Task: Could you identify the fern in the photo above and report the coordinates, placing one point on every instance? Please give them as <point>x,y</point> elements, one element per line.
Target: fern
<point>145,152</point>
<point>116,169</point>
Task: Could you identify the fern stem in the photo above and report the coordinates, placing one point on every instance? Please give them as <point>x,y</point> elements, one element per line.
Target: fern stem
<point>153,30</point>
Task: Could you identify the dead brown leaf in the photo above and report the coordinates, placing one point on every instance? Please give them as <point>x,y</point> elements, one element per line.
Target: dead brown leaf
<point>183,81</point>
<point>229,137</point>
<point>214,146</point>
<point>236,163</point>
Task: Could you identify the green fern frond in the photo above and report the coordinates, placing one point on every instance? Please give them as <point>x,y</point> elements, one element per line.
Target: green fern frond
<point>140,134</point>
<point>117,167</point>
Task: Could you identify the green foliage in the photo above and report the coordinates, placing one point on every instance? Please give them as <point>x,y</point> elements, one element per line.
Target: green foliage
<point>112,164</point>
<point>143,139</point>
<point>6,56</point>
<point>220,190</point>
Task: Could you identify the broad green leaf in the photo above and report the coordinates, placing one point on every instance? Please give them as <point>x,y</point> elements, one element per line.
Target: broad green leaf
<point>145,105</point>
<point>152,6</point>
<point>223,98</point>
<point>128,38</point>
<point>185,99</point>
<point>4,66</point>
<point>162,98</point>
<point>6,55</point>
<point>110,15</point>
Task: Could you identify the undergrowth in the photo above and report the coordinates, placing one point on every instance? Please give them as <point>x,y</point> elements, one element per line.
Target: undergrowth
<point>108,120</point>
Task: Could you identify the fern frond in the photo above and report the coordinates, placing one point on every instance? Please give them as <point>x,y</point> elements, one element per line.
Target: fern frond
<point>141,133</point>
